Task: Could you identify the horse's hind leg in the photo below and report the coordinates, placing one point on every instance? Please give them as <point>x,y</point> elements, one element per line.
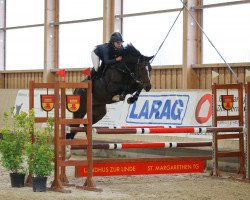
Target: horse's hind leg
<point>72,134</point>
<point>99,111</point>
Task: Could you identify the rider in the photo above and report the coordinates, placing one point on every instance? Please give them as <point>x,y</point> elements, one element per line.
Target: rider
<point>108,53</point>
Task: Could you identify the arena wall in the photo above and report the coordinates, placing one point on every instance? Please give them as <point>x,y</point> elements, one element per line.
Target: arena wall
<point>162,77</point>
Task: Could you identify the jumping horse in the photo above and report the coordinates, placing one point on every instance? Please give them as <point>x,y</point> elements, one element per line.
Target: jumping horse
<point>130,76</point>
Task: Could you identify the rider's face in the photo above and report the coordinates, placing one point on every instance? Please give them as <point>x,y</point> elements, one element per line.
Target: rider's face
<point>117,45</point>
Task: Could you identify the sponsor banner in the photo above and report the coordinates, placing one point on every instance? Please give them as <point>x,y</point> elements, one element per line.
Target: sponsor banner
<point>158,109</point>
<point>144,168</point>
<point>179,108</point>
<point>170,108</point>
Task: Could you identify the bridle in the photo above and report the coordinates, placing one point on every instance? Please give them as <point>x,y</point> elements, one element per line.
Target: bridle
<point>133,75</point>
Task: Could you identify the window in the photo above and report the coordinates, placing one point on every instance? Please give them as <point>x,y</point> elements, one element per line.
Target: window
<point>24,46</point>
<point>24,12</point>
<point>205,2</point>
<point>76,43</point>
<point>227,29</point>
<point>79,9</point>
<point>77,40</point>
<point>132,6</point>
<point>147,32</point>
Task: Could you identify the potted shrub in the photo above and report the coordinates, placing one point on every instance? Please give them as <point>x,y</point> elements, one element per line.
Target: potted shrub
<point>12,145</point>
<point>40,155</point>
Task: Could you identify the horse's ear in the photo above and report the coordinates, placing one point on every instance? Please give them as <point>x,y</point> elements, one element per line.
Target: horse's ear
<point>148,58</point>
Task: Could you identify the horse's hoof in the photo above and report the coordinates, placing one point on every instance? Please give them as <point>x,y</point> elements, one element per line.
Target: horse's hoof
<point>116,98</point>
<point>130,100</point>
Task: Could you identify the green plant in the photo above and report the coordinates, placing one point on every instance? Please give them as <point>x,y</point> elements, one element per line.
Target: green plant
<point>40,152</point>
<point>14,137</point>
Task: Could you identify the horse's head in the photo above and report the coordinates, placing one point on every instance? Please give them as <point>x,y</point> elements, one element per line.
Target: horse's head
<point>144,69</point>
<point>139,65</point>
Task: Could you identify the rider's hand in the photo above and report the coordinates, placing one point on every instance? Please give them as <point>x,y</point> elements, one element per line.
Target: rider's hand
<point>119,58</point>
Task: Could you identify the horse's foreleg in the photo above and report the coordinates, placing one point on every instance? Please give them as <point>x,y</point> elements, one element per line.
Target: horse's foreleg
<point>124,93</point>
<point>122,96</point>
<point>134,98</point>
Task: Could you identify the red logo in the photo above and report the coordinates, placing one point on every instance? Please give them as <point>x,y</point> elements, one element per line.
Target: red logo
<point>227,101</point>
<point>73,102</point>
<point>201,120</point>
<point>47,102</point>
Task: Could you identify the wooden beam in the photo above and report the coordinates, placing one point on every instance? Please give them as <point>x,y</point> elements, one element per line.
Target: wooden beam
<point>2,40</point>
<point>190,44</point>
<point>2,33</point>
<point>118,21</point>
<point>51,39</point>
<point>108,19</point>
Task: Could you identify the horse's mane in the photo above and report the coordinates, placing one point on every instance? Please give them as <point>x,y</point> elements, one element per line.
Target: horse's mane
<point>130,49</point>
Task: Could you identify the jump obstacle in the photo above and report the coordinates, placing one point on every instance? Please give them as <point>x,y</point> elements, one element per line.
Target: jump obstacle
<point>181,164</point>
<point>157,130</point>
<point>166,145</point>
<point>59,131</point>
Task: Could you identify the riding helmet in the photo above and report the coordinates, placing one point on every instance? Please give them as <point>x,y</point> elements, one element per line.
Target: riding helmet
<point>116,37</point>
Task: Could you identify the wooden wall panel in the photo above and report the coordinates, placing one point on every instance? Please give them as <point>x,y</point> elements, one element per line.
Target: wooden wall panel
<point>179,79</point>
<point>228,76</point>
<point>241,74</point>
<point>225,75</point>
<point>20,80</point>
<point>221,76</point>
<point>158,78</point>
<point>161,77</point>
<point>168,79</point>
<point>215,80</point>
<point>233,78</point>
<point>202,76</point>
<point>173,78</point>
<point>152,78</point>
<point>208,81</point>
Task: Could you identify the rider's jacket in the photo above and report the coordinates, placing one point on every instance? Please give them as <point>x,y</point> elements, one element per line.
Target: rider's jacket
<point>107,53</point>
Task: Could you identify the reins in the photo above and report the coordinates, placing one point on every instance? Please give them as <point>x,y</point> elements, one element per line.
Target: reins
<point>132,74</point>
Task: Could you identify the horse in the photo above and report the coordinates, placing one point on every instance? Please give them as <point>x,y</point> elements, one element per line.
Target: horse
<point>129,76</point>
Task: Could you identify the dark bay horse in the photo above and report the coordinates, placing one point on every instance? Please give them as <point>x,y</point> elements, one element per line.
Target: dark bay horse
<point>127,77</point>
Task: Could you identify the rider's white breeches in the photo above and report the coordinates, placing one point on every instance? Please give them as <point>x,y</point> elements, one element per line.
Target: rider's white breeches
<point>95,61</point>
